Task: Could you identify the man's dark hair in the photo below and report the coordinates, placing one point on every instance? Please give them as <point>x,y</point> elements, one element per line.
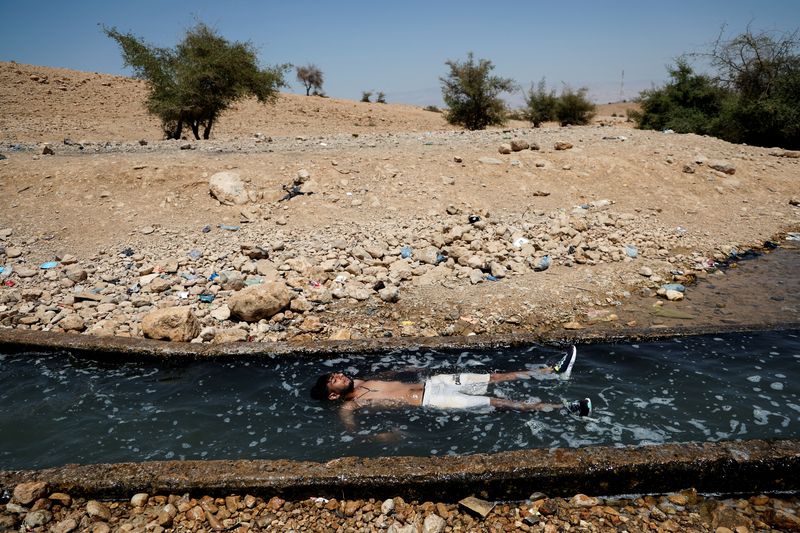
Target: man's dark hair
<point>320,389</point>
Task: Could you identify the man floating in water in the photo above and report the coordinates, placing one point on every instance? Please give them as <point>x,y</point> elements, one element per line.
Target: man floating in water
<point>444,391</point>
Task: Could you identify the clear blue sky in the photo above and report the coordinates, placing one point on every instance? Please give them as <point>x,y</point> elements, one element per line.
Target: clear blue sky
<point>399,47</point>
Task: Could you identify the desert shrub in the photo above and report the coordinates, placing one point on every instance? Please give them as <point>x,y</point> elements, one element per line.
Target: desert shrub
<point>752,97</point>
<point>199,79</point>
<point>472,94</point>
<point>432,109</point>
<point>540,104</point>
<point>312,79</point>
<point>574,107</point>
<point>380,98</point>
<point>366,95</point>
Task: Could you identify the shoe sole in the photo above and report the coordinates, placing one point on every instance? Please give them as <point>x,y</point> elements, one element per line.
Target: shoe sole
<point>568,371</point>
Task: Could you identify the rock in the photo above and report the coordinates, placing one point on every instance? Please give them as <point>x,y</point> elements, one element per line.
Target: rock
<point>341,334</point>
<point>433,524</point>
<point>387,507</point>
<point>98,510</point>
<point>727,517</point>
<point>782,520</point>
<point>573,325</point>
<point>560,145</point>
<point>251,304</point>
<point>177,324</point>
<point>159,284</point>
<point>12,252</point>
<point>723,166</point>
<point>25,272</point>
<point>47,150</point>
<point>266,268</point>
<point>504,148</point>
<point>673,295</point>
<point>60,497</point>
<point>795,201</point>
<point>688,169</point>
<point>646,271</point>
<point>65,526</point>
<point>140,499</point>
<point>311,324</point>
<point>37,518</point>
<point>309,187</point>
<point>147,230</point>
<point>389,294</point>
<point>481,507</point>
<point>581,500</point>
<point>102,527</point>
<point>72,322</point>
<point>518,145</point>
<point>27,493</point>
<point>222,312</point>
<point>428,255</point>
<point>230,335</point>
<point>228,188</point>
<point>75,274</point>
<point>490,161</point>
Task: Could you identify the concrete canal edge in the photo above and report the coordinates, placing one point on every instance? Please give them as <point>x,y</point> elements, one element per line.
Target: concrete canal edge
<point>725,467</point>
<point>729,467</point>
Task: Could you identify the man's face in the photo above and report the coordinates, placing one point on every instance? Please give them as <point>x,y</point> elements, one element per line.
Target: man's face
<point>338,385</point>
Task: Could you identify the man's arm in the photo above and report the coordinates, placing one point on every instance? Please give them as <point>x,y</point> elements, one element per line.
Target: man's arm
<point>347,414</point>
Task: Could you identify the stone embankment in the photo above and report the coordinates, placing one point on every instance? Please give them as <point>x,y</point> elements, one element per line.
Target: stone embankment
<point>33,507</point>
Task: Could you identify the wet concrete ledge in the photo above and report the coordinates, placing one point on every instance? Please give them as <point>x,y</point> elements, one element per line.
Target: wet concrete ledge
<point>109,348</point>
<point>729,467</point>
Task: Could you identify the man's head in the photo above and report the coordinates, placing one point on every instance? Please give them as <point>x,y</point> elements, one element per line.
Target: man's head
<point>333,386</point>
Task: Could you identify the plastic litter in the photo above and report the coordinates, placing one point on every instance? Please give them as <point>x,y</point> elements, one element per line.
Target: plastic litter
<point>187,276</point>
<point>441,258</point>
<point>226,227</point>
<point>681,230</point>
<point>631,250</point>
<point>519,242</point>
<point>206,229</point>
<point>472,219</point>
<point>253,281</point>
<point>543,264</point>
<point>406,252</point>
<point>793,236</point>
<point>127,252</point>
<point>195,254</point>
<point>673,287</point>
<point>315,284</point>
<point>9,283</point>
<point>206,298</point>
<point>341,278</point>
<point>134,289</point>
<point>183,294</point>
<point>490,278</point>
<point>213,276</point>
<point>2,269</point>
<point>48,265</point>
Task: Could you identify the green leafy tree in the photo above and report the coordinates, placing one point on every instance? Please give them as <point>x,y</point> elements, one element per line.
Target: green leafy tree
<point>540,104</point>
<point>194,83</point>
<point>312,78</point>
<point>472,93</point>
<point>574,107</point>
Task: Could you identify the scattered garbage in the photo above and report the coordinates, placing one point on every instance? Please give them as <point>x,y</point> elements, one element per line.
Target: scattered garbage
<point>543,264</point>
<point>473,219</point>
<point>213,276</point>
<point>9,283</point>
<point>631,251</point>
<point>127,252</point>
<point>489,277</point>
<point>206,298</point>
<point>226,227</point>
<point>668,131</point>
<point>793,236</point>
<point>341,278</point>
<point>133,289</point>
<point>253,281</point>
<point>315,284</point>
<point>47,265</point>
<point>680,230</point>
<point>519,242</point>
<point>406,252</point>
<point>187,276</point>
<point>673,287</point>
<point>183,294</point>
<point>2,269</point>
<point>195,254</point>
<point>615,138</point>
<point>206,228</point>
<point>440,258</point>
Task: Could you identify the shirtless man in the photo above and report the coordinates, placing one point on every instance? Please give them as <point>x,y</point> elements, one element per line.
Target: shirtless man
<point>445,391</point>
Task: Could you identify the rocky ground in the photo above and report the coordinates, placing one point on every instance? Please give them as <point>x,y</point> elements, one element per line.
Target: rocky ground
<point>34,508</point>
<point>337,219</point>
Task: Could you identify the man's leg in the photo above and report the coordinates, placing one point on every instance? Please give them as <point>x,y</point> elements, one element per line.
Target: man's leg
<point>562,367</point>
<point>510,405</point>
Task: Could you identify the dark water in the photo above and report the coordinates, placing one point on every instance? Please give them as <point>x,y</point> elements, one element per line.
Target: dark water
<point>56,409</point>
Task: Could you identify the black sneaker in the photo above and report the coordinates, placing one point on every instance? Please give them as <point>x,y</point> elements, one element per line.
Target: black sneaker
<point>580,407</point>
<point>564,367</point>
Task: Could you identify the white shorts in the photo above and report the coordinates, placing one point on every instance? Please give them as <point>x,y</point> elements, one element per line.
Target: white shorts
<point>456,391</point>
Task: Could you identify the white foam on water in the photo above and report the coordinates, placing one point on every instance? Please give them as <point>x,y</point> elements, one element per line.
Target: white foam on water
<point>761,416</point>
<point>754,379</point>
<point>777,385</point>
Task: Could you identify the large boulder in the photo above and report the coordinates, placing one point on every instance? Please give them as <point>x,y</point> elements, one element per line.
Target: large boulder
<point>228,188</point>
<point>172,323</point>
<point>27,493</point>
<point>253,303</point>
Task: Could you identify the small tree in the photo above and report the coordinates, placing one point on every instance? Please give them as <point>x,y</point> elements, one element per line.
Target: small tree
<point>380,98</point>
<point>311,77</point>
<point>472,93</point>
<point>574,107</point>
<point>540,104</point>
<point>366,95</point>
<point>199,79</point>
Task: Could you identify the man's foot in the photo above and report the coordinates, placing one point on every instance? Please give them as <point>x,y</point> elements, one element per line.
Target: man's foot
<point>564,367</point>
<point>580,407</point>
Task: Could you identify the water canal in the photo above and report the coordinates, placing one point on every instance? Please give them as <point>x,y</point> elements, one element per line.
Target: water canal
<point>57,409</point>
